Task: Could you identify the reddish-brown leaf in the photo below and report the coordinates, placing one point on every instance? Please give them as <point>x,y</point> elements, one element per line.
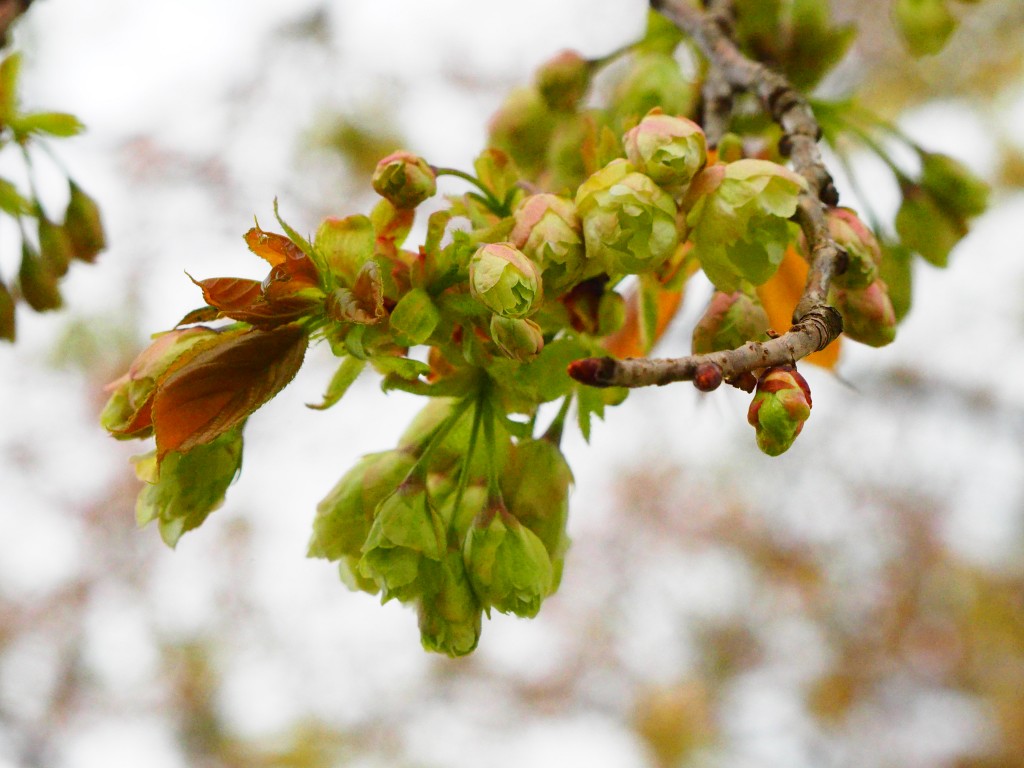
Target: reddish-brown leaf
<point>229,293</point>
<point>282,253</point>
<point>222,385</point>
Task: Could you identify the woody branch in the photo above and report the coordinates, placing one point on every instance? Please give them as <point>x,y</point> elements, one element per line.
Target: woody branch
<point>816,323</point>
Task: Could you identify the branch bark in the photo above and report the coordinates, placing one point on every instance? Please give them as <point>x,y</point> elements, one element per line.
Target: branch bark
<point>816,322</point>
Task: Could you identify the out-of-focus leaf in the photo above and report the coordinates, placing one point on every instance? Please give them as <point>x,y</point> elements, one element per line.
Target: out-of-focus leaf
<point>50,123</point>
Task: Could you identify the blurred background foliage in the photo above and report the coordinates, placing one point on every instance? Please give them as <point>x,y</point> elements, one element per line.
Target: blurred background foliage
<point>858,603</point>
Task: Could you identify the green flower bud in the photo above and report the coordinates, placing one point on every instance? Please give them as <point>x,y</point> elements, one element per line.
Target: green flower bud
<point>508,566</point>
<point>562,81</point>
<point>184,488</point>
<point>83,225</point>
<point>629,222</point>
<point>407,533</point>
<point>55,246</point>
<point>739,214</point>
<point>345,515</point>
<point>652,80</point>
<point>962,194</point>
<point>730,321</point>
<point>924,24</point>
<point>868,314</point>
<point>548,231</point>
<point>924,226</point>
<point>450,616</point>
<point>781,405</point>
<point>37,281</point>
<point>671,150</point>
<point>522,127</point>
<point>535,485</point>
<point>863,251</point>
<point>7,326</point>
<point>518,339</point>
<point>404,179</point>
<point>505,281</point>
<point>127,412</point>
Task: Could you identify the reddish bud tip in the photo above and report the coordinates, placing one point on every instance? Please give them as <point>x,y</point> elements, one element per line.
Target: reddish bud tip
<point>708,377</point>
<point>593,371</point>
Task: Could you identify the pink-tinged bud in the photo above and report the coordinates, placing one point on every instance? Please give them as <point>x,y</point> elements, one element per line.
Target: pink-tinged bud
<point>562,81</point>
<point>868,314</point>
<point>549,232</point>
<point>504,280</point>
<point>781,405</point>
<point>671,150</point>
<point>404,179</point>
<point>863,251</point>
<point>730,321</point>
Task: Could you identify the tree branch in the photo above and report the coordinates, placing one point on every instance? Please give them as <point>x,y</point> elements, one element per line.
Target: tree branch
<point>816,323</point>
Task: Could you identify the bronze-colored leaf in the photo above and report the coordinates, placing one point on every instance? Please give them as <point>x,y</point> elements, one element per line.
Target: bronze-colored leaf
<point>280,252</point>
<point>229,293</point>
<point>222,385</point>
<point>364,304</point>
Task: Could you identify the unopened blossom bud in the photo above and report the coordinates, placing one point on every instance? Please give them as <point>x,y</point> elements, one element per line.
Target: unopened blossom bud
<point>549,232</point>
<point>629,222</point>
<point>55,246</point>
<point>671,150</point>
<point>508,566</point>
<point>730,321</point>
<point>781,405</point>
<point>924,24</point>
<point>562,80</point>
<point>450,615</point>
<point>708,377</point>
<point>535,485</point>
<point>862,249</point>
<point>37,282</point>
<point>517,338</point>
<point>868,314</point>
<point>739,218</point>
<point>7,326</point>
<point>83,225</point>
<point>405,543</point>
<point>404,179</point>
<point>504,280</point>
<point>652,80</point>
<point>522,127</point>
<point>953,186</point>
<point>345,515</point>
<point>926,227</point>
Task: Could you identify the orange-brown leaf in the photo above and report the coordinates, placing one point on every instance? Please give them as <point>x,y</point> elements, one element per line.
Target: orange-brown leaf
<point>628,340</point>
<point>275,248</point>
<point>229,293</point>
<point>780,295</point>
<point>221,386</point>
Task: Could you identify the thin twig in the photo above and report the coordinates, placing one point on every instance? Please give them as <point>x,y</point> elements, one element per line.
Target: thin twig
<point>816,323</point>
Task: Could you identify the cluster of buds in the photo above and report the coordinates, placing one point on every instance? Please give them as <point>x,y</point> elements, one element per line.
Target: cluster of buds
<point>46,257</point>
<point>781,405</point>
<point>420,524</point>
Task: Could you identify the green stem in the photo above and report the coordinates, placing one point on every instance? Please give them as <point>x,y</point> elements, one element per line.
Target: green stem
<point>492,202</point>
<point>474,436</point>
<point>554,430</point>
<point>438,436</point>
